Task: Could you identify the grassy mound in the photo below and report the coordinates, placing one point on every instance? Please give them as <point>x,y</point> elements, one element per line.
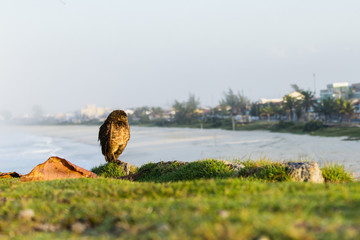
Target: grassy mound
<point>180,171</point>
<point>262,170</point>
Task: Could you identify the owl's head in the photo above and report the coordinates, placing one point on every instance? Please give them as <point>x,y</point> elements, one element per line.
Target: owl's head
<point>117,115</point>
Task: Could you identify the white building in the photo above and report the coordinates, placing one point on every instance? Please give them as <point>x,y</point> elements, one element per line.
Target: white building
<point>93,112</point>
<point>336,90</point>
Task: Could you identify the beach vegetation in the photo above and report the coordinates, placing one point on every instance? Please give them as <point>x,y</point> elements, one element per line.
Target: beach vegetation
<point>313,126</point>
<point>336,173</point>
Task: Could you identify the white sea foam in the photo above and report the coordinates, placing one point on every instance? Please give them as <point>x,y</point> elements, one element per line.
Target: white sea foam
<point>22,148</point>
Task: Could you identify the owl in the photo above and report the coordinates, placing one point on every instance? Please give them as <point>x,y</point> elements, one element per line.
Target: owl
<point>114,135</point>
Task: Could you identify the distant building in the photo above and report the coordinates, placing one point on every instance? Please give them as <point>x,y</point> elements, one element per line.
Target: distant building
<point>93,112</point>
<point>297,95</point>
<point>129,111</point>
<point>355,91</point>
<point>336,90</point>
<point>274,100</point>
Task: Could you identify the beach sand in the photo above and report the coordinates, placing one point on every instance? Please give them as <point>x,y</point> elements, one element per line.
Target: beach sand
<point>79,145</point>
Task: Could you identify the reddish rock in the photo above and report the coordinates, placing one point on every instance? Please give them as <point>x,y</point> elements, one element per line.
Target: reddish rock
<point>56,168</point>
<point>10,175</point>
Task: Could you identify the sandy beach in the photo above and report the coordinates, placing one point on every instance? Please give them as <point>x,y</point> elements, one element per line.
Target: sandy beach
<point>79,144</point>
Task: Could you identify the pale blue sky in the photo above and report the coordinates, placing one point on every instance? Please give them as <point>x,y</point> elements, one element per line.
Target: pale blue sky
<point>132,53</point>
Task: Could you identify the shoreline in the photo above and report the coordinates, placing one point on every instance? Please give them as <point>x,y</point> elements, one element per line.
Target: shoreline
<point>352,131</point>
<point>154,144</point>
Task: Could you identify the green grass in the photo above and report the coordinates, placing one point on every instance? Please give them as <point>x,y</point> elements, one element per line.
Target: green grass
<point>333,172</point>
<point>313,128</point>
<point>111,170</point>
<point>178,171</point>
<point>206,199</point>
<point>288,127</point>
<point>255,126</point>
<point>201,209</point>
<point>353,133</point>
<point>265,170</point>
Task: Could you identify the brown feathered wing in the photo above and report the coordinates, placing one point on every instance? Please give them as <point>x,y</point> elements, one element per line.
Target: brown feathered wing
<point>113,138</point>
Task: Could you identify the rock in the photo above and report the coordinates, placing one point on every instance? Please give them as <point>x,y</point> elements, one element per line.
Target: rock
<point>233,165</point>
<point>163,227</point>
<point>46,227</point>
<point>56,168</point>
<point>78,227</point>
<point>263,238</point>
<point>10,175</point>
<point>224,214</point>
<point>125,166</point>
<point>305,172</point>
<point>27,214</point>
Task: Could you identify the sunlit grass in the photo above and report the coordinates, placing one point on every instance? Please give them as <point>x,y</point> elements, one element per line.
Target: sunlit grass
<point>177,171</point>
<point>334,172</point>
<point>230,208</point>
<point>111,170</point>
<point>264,169</point>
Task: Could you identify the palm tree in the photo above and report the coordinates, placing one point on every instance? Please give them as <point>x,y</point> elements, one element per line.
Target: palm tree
<point>278,111</point>
<point>237,103</point>
<point>308,101</point>
<point>298,108</point>
<point>348,109</point>
<point>326,107</point>
<point>289,105</point>
<point>267,110</point>
<point>339,107</point>
<point>255,109</point>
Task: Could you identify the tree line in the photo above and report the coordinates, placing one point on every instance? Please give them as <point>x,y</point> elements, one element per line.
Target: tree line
<point>304,107</point>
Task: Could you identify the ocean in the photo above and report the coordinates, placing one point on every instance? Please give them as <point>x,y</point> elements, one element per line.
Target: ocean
<point>24,147</point>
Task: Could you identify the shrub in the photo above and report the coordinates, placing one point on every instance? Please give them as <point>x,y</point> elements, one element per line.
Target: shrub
<point>312,126</point>
<point>283,125</point>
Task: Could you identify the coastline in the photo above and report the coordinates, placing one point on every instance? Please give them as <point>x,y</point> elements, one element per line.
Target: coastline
<point>153,144</point>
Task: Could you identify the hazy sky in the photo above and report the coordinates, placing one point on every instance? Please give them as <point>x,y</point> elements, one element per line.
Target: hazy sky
<point>65,54</point>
